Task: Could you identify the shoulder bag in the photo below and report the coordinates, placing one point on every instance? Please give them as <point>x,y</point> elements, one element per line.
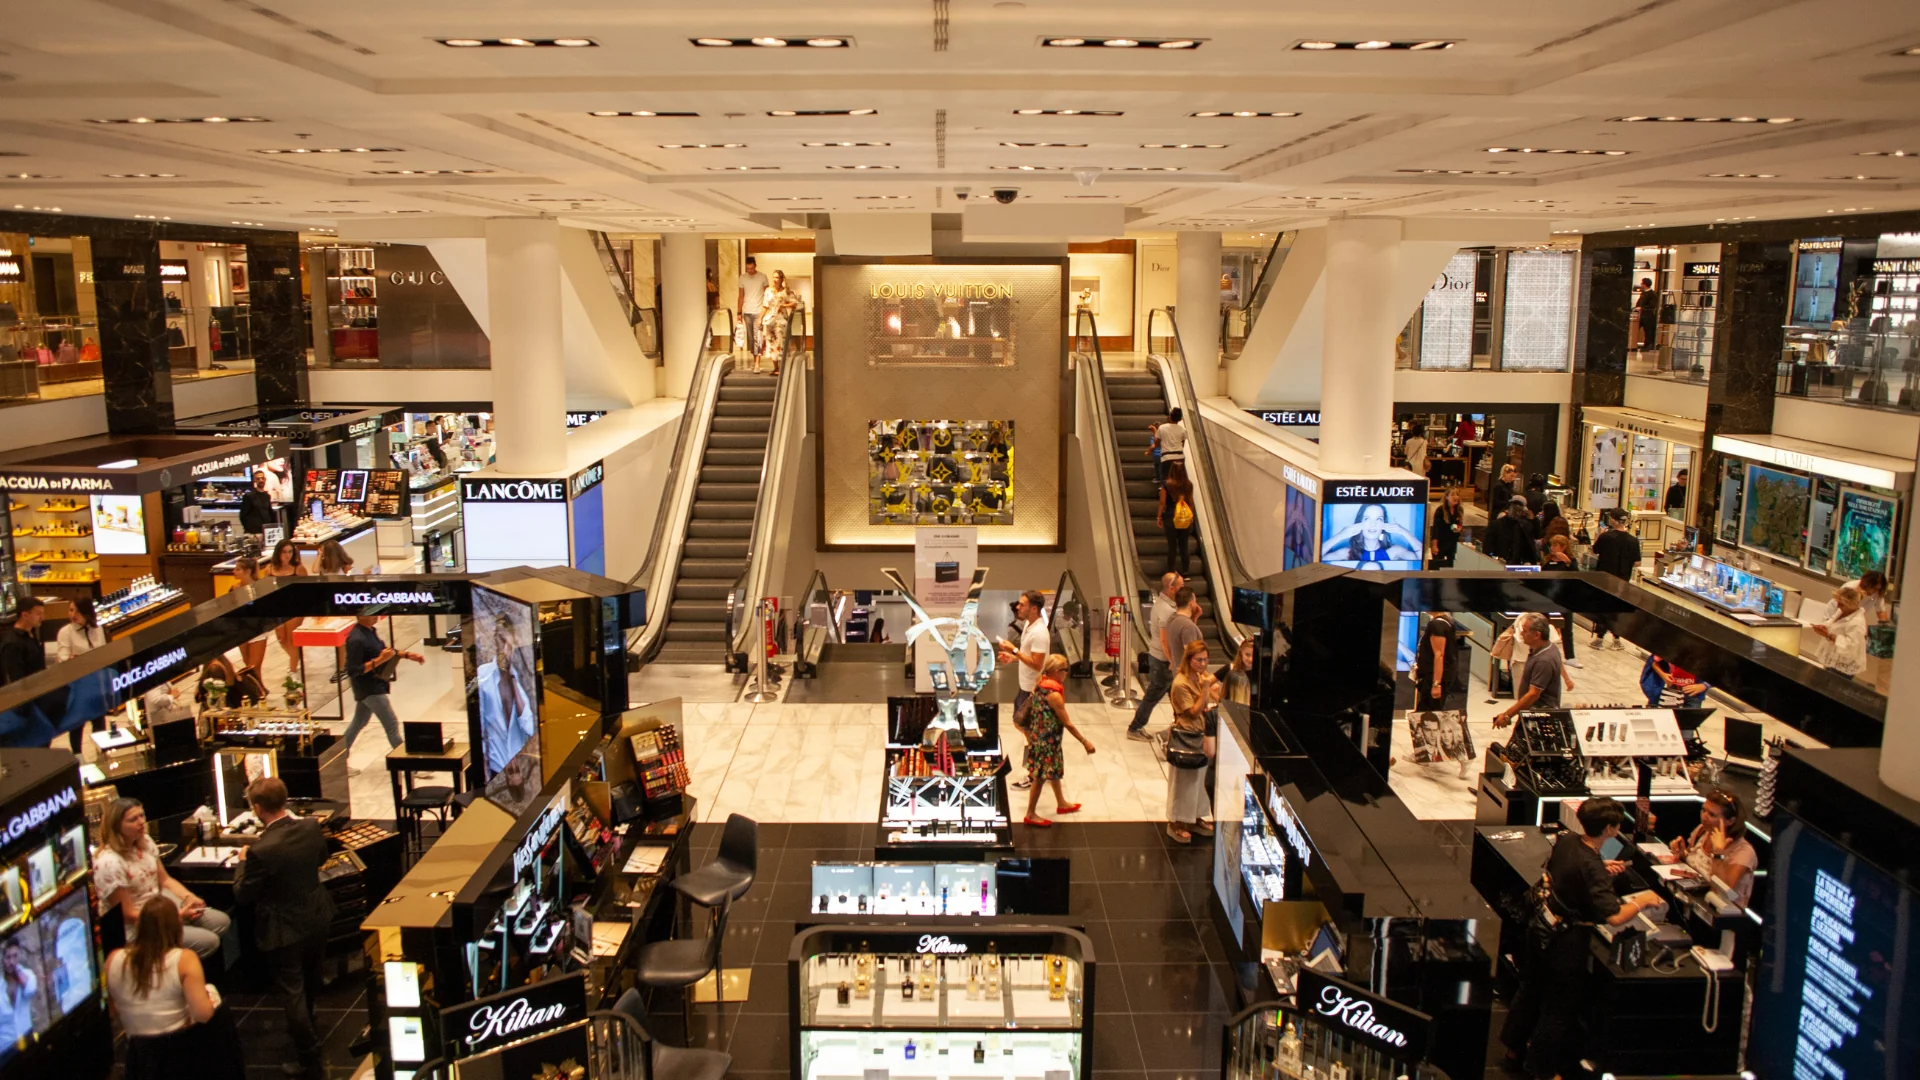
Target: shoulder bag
<point>1502,645</point>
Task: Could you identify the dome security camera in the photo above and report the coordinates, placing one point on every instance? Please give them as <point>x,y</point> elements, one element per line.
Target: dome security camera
<point>1005,195</point>
<point>961,191</point>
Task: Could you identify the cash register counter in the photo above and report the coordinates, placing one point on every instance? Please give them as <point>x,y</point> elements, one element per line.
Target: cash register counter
<point>1648,1020</point>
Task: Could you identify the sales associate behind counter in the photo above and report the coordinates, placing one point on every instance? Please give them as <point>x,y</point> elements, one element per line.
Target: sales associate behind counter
<point>1542,1030</point>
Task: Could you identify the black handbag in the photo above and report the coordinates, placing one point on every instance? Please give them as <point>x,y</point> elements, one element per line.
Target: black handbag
<point>1187,749</point>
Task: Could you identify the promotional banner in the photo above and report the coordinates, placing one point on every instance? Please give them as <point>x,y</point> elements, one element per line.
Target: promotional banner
<point>1374,524</point>
<point>944,560</point>
<point>1865,538</point>
<point>1299,531</point>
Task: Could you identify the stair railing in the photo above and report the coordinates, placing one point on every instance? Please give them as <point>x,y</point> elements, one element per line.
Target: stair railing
<point>1091,373</point>
<point>750,587</point>
<point>1257,296</point>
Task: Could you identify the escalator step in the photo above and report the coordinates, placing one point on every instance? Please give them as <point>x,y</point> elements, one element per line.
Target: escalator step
<point>738,440</point>
<point>712,569</point>
<point>682,612</point>
<point>730,474</point>
<point>757,409</point>
<point>745,425</point>
<point>701,590</point>
<point>719,530</point>
<point>715,549</point>
<point>723,511</point>
<point>717,455</point>
<point>745,493</point>
<point>679,632</point>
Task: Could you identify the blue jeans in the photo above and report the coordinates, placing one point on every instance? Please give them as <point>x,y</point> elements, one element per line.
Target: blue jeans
<point>1159,682</point>
<point>379,705</point>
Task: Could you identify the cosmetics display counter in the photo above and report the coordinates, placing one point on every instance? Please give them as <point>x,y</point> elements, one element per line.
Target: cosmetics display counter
<point>941,1002</point>
<point>1757,605</point>
<point>1275,1041</point>
<point>943,804</point>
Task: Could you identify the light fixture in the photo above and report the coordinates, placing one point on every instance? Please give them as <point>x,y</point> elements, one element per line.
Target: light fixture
<point>1458,172</point>
<point>1742,175</point>
<point>1151,168</point>
<point>428,172</point>
<point>1096,41</point>
<point>844,144</point>
<point>185,120</point>
<point>862,168</point>
<point>771,41</point>
<point>822,112</point>
<point>880,198</point>
<point>743,168</point>
<point>1068,112</point>
<point>703,146</point>
<point>1242,114</point>
<point>1024,168</point>
<point>1856,177</point>
<point>644,113</point>
<point>517,43</point>
<point>139,176</point>
<point>1045,145</point>
<point>25,176</point>
<point>1701,119</point>
<point>1539,150</point>
<point>1888,153</point>
<point>1913,50</point>
<point>333,150</point>
<point>1183,146</point>
<point>1375,44</point>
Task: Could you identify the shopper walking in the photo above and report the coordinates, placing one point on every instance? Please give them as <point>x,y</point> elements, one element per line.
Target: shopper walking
<point>161,997</point>
<point>1045,723</point>
<point>1843,633</point>
<point>1030,654</point>
<point>279,876</point>
<point>1416,451</point>
<point>1538,687</point>
<point>1510,537</point>
<point>1169,444</point>
<point>1615,551</point>
<point>776,319</point>
<point>1159,671</point>
<point>80,636</point>
<point>127,872</point>
<point>370,670</point>
<point>1175,516</point>
<point>1195,695</point>
<point>748,302</point>
<point>1449,527</point>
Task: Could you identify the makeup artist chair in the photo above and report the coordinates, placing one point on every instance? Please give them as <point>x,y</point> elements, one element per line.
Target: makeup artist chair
<point>665,1062</point>
<point>731,875</point>
<point>680,963</point>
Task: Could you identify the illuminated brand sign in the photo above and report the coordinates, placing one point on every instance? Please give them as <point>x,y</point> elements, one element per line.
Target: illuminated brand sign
<point>513,490</point>
<point>363,599</point>
<point>364,427</point>
<point>1701,269</point>
<point>149,669</point>
<point>417,277</point>
<point>220,465</point>
<point>1289,417</point>
<point>954,290</point>
<point>1300,480</point>
<point>32,482</point>
<point>584,480</point>
<point>1289,824</point>
<point>1820,245</point>
<point>173,271</point>
<point>133,269</point>
<point>584,417</point>
<point>517,1016</point>
<point>941,945</point>
<point>1390,492</point>
<point>10,266</point>
<point>1896,266</point>
<point>1352,1010</point>
<point>537,837</point>
<point>38,814</point>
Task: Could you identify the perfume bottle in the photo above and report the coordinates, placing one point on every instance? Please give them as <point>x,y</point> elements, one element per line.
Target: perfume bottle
<point>1287,1062</point>
<point>983,897</point>
<point>912,1051</point>
<point>863,973</point>
<point>993,977</point>
<point>926,978</point>
<point>823,903</point>
<point>906,979</point>
<point>973,980</point>
<point>979,1053</point>
<point>1057,979</point>
<point>943,899</point>
<point>863,903</point>
<point>1337,1071</point>
<point>845,993</point>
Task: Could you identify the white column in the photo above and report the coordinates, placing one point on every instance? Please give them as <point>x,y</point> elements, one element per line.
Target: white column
<point>1900,739</point>
<point>1197,307</point>
<point>683,298</point>
<point>523,317</point>
<point>1356,353</point>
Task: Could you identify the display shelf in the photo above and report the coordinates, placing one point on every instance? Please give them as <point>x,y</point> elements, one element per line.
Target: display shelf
<point>138,601</point>
<point>62,557</point>
<point>964,890</point>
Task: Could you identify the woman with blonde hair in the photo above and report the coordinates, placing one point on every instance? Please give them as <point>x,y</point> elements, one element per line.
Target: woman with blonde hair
<point>776,315</point>
<point>1045,723</point>
<point>1843,634</point>
<point>1196,693</point>
<point>127,873</point>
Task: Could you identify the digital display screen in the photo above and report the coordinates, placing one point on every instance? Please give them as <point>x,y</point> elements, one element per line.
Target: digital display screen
<point>119,525</point>
<point>279,480</point>
<point>1774,517</point>
<point>1299,529</point>
<point>1378,525</point>
<point>46,971</point>
<point>1251,607</point>
<point>353,486</point>
<point>1839,989</point>
<point>506,691</point>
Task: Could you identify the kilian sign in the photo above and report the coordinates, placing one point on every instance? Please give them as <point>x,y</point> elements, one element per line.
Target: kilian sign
<point>492,1023</point>
<point>1399,1032</point>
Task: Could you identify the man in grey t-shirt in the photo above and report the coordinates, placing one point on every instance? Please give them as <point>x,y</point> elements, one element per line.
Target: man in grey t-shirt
<point>1183,628</point>
<point>1541,678</point>
<point>1159,673</point>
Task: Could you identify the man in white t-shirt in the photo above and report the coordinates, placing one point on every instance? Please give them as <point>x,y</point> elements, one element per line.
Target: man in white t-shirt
<point>753,287</point>
<point>1031,653</point>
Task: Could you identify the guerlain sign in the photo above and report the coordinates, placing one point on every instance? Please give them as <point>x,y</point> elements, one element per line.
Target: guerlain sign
<point>1350,1010</point>
<point>486,1025</point>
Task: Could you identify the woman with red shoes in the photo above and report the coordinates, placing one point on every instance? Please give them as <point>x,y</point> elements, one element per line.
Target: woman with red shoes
<point>1046,724</point>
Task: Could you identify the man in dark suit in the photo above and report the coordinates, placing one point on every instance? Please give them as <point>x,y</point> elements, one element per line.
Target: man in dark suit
<point>280,879</point>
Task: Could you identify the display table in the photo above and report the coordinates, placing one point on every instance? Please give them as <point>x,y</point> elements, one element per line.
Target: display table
<point>324,632</point>
<point>1648,1021</point>
<point>403,763</point>
<point>1776,631</point>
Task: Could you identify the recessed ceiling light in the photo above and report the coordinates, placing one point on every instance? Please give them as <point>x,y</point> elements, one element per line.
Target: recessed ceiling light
<point>1912,51</point>
<point>517,43</point>
<point>1096,41</point>
<point>1888,153</point>
<point>1046,145</point>
<point>1068,112</point>
<point>1066,42</point>
<point>881,198</point>
<point>1178,43</point>
<point>769,41</point>
<point>743,168</point>
<point>25,176</point>
<point>1742,175</point>
<point>139,176</point>
<point>1183,146</point>
<point>822,112</point>
<point>1701,119</point>
<point>1539,150</point>
<point>826,42</point>
<point>794,198</point>
<point>1458,172</point>
<point>642,113</point>
<point>186,120</point>
<point>712,42</point>
<point>1238,114</point>
<point>1151,168</point>
<point>1024,168</point>
<point>428,172</point>
<point>1374,45</point>
<point>1859,178</point>
<point>333,150</point>
<point>703,146</point>
<point>862,168</point>
<point>845,144</point>
<point>1121,43</point>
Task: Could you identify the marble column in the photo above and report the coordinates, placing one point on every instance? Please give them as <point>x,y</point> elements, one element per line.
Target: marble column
<point>1356,352</point>
<point>279,332</point>
<point>1755,287</point>
<point>529,374</point>
<point>1197,307</point>
<point>1900,739</point>
<point>683,298</point>
<point>133,335</point>
<point>1606,310</point>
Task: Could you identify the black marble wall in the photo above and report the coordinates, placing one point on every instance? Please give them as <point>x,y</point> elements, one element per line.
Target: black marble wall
<point>133,335</point>
<point>1606,310</point>
<point>279,328</point>
<point>1755,280</point>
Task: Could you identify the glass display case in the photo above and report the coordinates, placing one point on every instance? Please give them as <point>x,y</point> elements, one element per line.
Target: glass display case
<point>1728,587</point>
<point>941,1002</point>
<point>926,805</point>
<point>1271,1041</point>
<point>965,889</point>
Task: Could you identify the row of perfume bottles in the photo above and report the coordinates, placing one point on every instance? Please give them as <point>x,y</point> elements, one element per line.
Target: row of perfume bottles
<point>919,977</point>
<point>1322,1055</point>
<point>954,899</point>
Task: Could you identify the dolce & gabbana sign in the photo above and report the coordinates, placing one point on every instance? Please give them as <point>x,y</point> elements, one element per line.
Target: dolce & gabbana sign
<point>502,490</point>
<point>1401,1033</point>
<point>492,1023</point>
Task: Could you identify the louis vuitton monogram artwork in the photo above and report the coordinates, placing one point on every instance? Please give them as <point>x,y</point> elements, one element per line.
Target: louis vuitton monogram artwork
<point>940,472</point>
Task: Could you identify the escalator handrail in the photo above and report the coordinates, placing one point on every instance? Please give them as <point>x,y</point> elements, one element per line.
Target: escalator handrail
<point>747,589</point>
<point>611,263</point>
<point>1070,586</point>
<point>676,496</point>
<point>1106,453</point>
<point>1263,284</point>
<point>1223,558</point>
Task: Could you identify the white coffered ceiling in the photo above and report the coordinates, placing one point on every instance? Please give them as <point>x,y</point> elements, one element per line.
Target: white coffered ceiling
<point>391,121</point>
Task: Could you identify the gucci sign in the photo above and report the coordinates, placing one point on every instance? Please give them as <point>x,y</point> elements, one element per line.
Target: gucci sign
<point>417,277</point>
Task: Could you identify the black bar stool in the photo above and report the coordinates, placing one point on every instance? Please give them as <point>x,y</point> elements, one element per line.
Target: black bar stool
<point>411,813</point>
<point>731,875</point>
<point>680,963</point>
<point>671,1062</point>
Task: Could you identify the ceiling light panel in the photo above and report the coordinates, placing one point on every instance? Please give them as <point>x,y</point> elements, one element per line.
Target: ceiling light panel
<point>1742,176</point>
<point>333,150</point>
<point>1239,114</point>
<point>744,168</point>
<point>1045,145</point>
<point>518,43</point>
<point>1183,146</point>
<point>641,113</point>
<point>1859,178</point>
<point>1068,112</point>
<point>185,120</point>
<point>785,113</point>
<point>1024,168</point>
<point>812,41</point>
<point>863,168</point>
<point>428,172</point>
<point>1702,119</point>
<point>1539,150</point>
<point>816,145</point>
<point>703,146</point>
<point>139,175</point>
<point>1098,41</point>
<point>1376,45</point>
<point>1458,172</point>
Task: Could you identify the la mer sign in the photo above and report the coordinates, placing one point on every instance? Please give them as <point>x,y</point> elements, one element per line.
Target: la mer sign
<point>1388,1026</point>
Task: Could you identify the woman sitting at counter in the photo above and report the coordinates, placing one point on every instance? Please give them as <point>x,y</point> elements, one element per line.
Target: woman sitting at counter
<point>1843,634</point>
<point>285,563</point>
<point>1720,845</point>
<point>160,994</point>
<point>128,873</point>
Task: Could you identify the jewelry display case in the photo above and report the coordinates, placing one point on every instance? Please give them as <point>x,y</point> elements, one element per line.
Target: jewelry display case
<point>942,1003</point>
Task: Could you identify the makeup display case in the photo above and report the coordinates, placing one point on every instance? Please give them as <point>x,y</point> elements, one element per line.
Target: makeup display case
<point>943,803</point>
<point>944,1003</point>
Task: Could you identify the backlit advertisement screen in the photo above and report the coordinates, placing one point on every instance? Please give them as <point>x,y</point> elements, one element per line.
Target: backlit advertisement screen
<point>589,531</point>
<point>1865,538</point>
<point>506,697</point>
<point>1374,524</point>
<point>1299,529</point>
<point>119,525</point>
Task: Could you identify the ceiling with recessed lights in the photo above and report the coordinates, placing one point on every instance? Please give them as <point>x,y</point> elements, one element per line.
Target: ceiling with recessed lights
<point>741,117</point>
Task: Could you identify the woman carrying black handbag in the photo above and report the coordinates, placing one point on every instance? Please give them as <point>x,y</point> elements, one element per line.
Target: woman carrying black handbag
<point>1195,694</point>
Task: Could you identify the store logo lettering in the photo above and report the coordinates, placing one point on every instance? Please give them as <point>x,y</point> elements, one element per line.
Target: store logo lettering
<point>1300,480</point>
<point>361,599</point>
<point>941,945</point>
<point>362,427</point>
<point>920,290</point>
<point>208,468</point>
<point>1356,1014</point>
<point>417,277</point>
<point>1373,491</point>
<point>491,1022</point>
<point>515,490</point>
<point>55,483</point>
<point>151,668</point>
<point>529,848</point>
<point>586,478</point>
<point>36,815</point>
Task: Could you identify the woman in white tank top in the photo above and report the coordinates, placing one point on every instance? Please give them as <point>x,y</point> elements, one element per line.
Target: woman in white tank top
<point>160,993</point>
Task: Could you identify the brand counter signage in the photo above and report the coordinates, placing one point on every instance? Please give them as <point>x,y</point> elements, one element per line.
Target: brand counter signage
<point>213,456</point>
<point>1301,480</point>
<point>586,479</point>
<point>1289,417</point>
<point>38,814</point>
<point>583,417</point>
<point>503,1020</point>
<point>1399,1032</point>
<point>500,489</point>
<point>1701,269</point>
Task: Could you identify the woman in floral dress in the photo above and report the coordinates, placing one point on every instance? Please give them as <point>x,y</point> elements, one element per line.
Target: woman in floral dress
<point>1045,725</point>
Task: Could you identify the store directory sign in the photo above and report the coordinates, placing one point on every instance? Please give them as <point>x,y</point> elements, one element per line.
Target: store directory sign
<point>1839,989</point>
<point>1374,524</point>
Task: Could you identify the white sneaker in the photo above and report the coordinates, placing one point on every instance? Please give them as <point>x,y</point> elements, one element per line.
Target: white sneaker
<point>1599,642</point>
<point>1618,645</point>
<point>1571,662</point>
